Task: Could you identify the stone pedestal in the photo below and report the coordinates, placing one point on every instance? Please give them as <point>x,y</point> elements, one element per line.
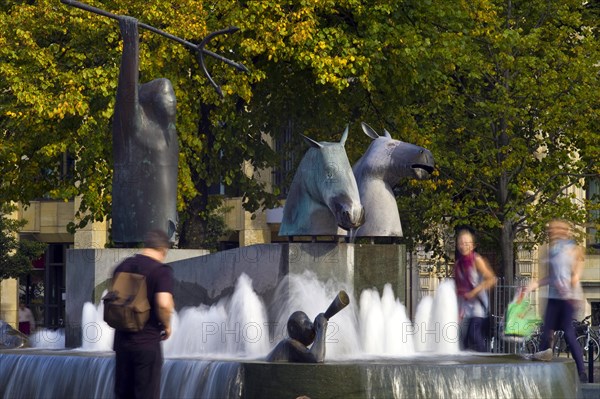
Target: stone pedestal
<point>202,278</point>
<point>380,264</point>
<point>209,278</point>
<point>87,275</point>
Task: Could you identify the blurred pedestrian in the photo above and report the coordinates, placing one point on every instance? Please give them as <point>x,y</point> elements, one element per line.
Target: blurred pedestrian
<point>26,319</point>
<point>565,265</point>
<point>473,277</point>
<point>139,355</point>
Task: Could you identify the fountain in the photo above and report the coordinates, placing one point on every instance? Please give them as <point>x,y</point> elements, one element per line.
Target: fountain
<point>232,306</point>
<point>232,309</point>
<point>373,350</point>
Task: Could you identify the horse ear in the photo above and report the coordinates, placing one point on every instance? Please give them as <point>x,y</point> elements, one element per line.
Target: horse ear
<point>344,136</point>
<point>312,142</point>
<point>369,131</point>
<point>387,134</point>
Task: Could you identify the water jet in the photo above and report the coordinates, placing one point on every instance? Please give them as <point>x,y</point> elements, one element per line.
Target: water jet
<point>217,351</point>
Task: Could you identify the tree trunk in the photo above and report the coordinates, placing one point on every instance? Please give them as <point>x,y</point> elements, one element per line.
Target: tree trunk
<point>507,250</point>
<point>507,234</point>
<point>506,231</point>
<point>194,225</point>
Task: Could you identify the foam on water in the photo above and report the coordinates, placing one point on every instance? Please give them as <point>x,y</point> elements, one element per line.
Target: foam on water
<point>422,316</point>
<point>436,321</point>
<point>238,327</point>
<point>46,338</point>
<point>443,332</point>
<point>96,334</point>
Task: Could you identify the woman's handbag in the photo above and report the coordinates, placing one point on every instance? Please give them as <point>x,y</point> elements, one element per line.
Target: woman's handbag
<point>521,319</point>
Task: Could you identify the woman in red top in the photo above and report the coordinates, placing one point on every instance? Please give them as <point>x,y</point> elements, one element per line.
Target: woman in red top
<point>473,277</point>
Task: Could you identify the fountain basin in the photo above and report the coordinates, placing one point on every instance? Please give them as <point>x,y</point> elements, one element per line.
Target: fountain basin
<point>26,373</point>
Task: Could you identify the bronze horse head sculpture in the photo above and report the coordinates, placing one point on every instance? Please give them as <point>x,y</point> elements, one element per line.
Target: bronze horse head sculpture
<point>381,167</point>
<point>323,196</point>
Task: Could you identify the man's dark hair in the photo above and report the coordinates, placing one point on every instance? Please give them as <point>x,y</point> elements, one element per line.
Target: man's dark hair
<point>157,239</point>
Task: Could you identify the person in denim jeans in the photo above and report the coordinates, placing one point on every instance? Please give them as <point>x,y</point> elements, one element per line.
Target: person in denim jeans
<point>565,265</point>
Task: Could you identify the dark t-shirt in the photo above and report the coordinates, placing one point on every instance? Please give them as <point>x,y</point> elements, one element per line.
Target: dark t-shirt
<point>159,278</point>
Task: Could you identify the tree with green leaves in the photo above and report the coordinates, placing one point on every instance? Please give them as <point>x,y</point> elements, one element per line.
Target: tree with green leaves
<point>15,255</point>
<point>512,113</point>
<point>504,94</point>
<point>59,71</point>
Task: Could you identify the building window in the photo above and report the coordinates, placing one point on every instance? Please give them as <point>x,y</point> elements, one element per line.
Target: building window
<point>43,288</point>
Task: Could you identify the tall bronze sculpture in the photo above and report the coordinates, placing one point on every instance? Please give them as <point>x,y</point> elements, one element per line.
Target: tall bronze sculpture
<point>145,149</point>
<point>145,143</point>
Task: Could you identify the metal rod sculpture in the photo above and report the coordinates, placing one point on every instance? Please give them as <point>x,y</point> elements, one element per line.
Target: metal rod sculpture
<point>199,48</point>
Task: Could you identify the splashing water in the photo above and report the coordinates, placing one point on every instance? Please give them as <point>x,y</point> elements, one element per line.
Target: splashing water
<point>364,331</point>
<point>436,321</point>
<point>96,334</point>
<point>306,293</point>
<point>238,327</point>
<point>232,327</point>
<point>422,316</point>
<point>46,338</point>
<point>352,234</point>
<point>444,320</point>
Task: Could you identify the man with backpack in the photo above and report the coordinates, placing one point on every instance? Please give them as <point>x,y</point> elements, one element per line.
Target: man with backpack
<point>138,353</point>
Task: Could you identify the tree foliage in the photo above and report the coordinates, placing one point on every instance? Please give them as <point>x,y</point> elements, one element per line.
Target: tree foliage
<point>504,93</point>
<point>514,117</point>
<point>15,255</point>
<point>59,72</point>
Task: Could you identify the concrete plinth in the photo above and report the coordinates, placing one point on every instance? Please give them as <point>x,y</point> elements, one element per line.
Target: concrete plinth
<point>88,272</point>
<point>209,278</point>
<point>202,278</point>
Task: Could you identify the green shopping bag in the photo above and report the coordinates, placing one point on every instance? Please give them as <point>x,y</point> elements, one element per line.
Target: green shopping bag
<point>520,319</point>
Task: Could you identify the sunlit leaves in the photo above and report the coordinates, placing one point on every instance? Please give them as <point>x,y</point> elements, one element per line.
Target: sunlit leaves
<point>504,93</point>
<point>519,77</point>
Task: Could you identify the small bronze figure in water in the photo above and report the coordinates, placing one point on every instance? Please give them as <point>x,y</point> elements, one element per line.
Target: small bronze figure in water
<point>302,332</point>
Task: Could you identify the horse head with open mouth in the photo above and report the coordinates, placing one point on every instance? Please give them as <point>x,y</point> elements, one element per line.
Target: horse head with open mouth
<point>381,167</point>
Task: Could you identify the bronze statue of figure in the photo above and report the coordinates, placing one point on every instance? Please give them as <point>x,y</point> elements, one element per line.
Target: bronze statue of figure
<point>145,143</point>
<point>145,149</point>
<point>302,332</point>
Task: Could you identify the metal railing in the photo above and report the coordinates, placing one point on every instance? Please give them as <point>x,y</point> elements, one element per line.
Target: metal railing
<point>500,296</point>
